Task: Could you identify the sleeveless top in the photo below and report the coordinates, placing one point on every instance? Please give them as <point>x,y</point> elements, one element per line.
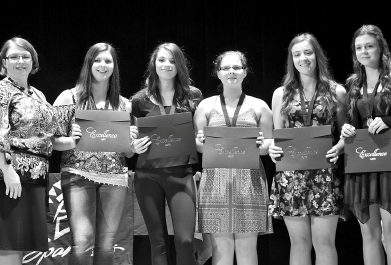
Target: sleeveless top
<point>319,115</point>
<point>101,167</point>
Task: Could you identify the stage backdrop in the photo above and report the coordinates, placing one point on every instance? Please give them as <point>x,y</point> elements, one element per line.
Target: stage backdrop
<point>59,234</point>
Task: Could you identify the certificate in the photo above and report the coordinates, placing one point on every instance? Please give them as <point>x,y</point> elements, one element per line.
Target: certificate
<point>230,147</point>
<point>304,148</point>
<point>103,131</point>
<point>172,136</point>
<point>367,152</point>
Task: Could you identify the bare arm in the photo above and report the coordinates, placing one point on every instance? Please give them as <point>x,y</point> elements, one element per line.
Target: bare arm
<point>65,143</point>
<point>201,120</point>
<point>278,121</point>
<point>341,119</point>
<point>133,130</point>
<point>266,124</point>
<point>11,179</point>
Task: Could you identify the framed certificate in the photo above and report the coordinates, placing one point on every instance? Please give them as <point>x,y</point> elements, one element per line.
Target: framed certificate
<point>103,131</point>
<point>230,147</point>
<point>304,148</point>
<point>172,136</point>
<point>366,152</point>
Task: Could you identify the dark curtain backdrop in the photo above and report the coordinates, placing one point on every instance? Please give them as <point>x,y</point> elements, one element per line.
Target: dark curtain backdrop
<point>62,31</point>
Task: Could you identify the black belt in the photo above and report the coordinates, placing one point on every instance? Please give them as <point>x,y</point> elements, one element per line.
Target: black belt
<point>19,150</point>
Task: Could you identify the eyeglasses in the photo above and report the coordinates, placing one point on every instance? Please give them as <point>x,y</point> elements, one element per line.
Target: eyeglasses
<point>15,58</point>
<point>234,67</point>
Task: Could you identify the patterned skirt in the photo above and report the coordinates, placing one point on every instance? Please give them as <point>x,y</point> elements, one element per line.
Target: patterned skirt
<point>364,189</point>
<point>233,201</point>
<point>304,193</point>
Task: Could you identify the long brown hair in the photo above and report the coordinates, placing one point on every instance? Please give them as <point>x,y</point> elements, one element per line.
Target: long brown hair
<point>357,79</point>
<point>326,86</point>
<point>182,79</point>
<point>84,83</point>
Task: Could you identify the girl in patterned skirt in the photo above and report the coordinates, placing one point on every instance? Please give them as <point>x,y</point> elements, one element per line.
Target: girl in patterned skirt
<point>233,202</point>
<point>309,201</point>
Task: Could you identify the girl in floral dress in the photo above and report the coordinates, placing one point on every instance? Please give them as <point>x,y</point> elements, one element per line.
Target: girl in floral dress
<point>309,201</point>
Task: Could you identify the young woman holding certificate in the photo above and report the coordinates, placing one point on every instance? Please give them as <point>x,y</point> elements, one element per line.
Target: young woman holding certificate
<point>309,201</point>
<point>166,90</point>
<point>368,195</point>
<point>233,202</point>
<point>94,184</point>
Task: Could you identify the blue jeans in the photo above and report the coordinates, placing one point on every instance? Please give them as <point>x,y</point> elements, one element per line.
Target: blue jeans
<point>94,212</point>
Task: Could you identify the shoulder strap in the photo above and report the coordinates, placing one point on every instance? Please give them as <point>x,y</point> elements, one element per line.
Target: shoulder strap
<point>73,96</point>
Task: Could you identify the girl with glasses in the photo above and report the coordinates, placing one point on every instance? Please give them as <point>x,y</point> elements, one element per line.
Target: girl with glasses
<point>232,205</point>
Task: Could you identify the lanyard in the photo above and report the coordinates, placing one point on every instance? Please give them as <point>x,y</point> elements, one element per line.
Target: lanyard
<point>307,112</point>
<point>368,101</point>
<point>235,117</point>
<point>162,110</point>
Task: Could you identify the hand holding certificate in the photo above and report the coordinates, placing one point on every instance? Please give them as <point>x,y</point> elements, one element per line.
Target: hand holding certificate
<point>303,148</point>
<point>230,147</point>
<point>171,136</point>
<point>367,152</point>
<point>103,131</point>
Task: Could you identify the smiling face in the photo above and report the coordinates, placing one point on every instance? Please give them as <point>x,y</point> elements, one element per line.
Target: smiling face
<point>102,67</point>
<point>304,58</point>
<point>231,72</point>
<point>165,65</point>
<point>368,52</point>
<point>18,62</point>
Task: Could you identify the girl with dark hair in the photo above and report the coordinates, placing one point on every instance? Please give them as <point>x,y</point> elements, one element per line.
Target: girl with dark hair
<point>232,205</point>
<point>94,184</point>
<point>26,128</point>
<point>167,86</point>
<point>309,201</point>
<point>368,195</point>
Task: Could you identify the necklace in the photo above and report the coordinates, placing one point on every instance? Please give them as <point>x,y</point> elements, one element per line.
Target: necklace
<point>28,90</point>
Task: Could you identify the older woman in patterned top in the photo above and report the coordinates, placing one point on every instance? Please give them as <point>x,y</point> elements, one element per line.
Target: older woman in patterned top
<point>26,127</point>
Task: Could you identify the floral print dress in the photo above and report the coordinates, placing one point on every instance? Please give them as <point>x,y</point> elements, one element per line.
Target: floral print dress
<point>315,192</point>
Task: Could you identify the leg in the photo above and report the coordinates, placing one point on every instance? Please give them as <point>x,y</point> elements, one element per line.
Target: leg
<point>299,229</point>
<point>223,248</point>
<point>151,199</point>
<point>180,192</point>
<point>323,229</point>
<point>109,205</point>
<point>386,218</point>
<point>11,257</point>
<point>206,250</point>
<point>80,204</point>
<point>246,248</point>
<point>371,237</point>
